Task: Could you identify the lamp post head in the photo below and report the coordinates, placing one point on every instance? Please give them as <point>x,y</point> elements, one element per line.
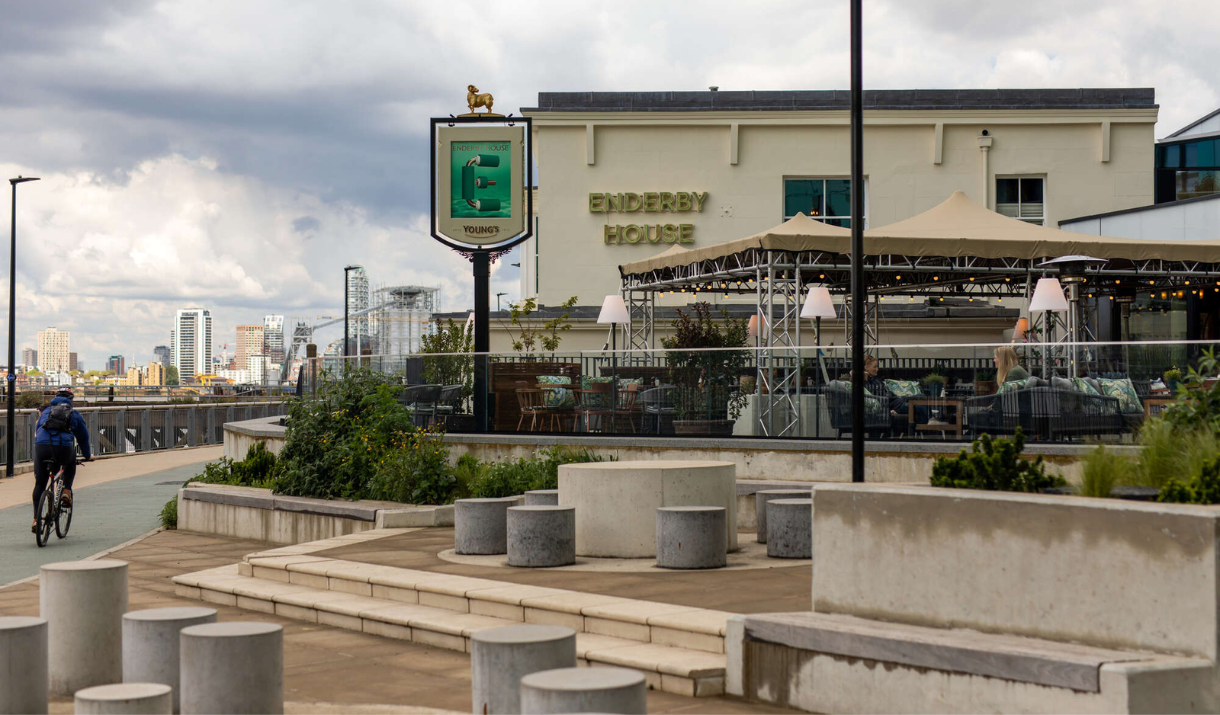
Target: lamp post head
<point>818,303</point>
<point>22,180</point>
<point>1048,295</point>
<point>614,311</point>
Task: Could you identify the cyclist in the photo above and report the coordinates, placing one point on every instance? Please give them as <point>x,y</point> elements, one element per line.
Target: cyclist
<point>60,428</point>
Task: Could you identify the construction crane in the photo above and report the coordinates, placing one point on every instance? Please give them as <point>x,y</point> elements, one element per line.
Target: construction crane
<point>302,334</point>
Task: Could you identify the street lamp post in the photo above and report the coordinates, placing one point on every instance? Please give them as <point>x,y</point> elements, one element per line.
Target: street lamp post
<point>498,296</point>
<point>858,297</point>
<point>10,431</point>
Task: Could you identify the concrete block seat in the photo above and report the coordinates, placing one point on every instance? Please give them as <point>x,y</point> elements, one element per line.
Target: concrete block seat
<point>125,699</point>
<point>790,528</point>
<point>480,526</point>
<point>762,496</point>
<point>691,537</point>
<point>584,690</point>
<point>499,657</point>
<point>922,664</point>
<point>151,644</point>
<point>616,502</point>
<point>541,536</point>
<point>23,664</point>
<point>542,497</point>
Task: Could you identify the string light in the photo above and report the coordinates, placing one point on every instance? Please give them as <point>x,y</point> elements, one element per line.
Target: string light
<point>898,278</point>
<point>971,279</point>
<point>936,278</point>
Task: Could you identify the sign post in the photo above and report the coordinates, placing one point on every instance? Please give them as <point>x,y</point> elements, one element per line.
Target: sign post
<point>481,208</point>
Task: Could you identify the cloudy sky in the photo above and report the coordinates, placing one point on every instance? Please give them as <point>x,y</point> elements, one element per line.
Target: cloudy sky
<point>235,154</point>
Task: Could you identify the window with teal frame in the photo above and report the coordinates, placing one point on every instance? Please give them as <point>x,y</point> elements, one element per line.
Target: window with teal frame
<point>827,200</point>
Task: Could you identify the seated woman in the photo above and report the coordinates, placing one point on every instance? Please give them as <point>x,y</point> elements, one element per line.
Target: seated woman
<point>899,411</point>
<point>1008,366</point>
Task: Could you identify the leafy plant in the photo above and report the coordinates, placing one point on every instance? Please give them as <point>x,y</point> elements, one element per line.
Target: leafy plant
<point>707,379</point>
<point>1170,451</point>
<point>1172,374</point>
<point>506,479</point>
<point>528,339</point>
<point>256,470</point>
<point>1202,488</point>
<point>1197,407</point>
<point>169,513</point>
<point>450,368</point>
<point>415,470</point>
<point>984,375</point>
<point>29,400</point>
<point>1102,471</point>
<point>933,378</point>
<point>994,465</point>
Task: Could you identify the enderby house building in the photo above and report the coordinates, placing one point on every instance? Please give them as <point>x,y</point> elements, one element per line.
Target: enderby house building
<point>624,176</point>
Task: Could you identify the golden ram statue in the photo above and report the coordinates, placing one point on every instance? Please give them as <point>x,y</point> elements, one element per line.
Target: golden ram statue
<point>474,99</point>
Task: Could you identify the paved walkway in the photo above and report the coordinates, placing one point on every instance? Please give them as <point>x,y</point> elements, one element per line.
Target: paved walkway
<point>741,591</point>
<point>112,507</point>
<point>324,665</point>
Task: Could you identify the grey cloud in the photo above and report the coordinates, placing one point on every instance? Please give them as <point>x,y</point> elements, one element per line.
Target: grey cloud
<point>306,224</point>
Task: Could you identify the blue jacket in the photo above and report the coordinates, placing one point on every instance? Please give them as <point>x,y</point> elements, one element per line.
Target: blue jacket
<point>63,439</point>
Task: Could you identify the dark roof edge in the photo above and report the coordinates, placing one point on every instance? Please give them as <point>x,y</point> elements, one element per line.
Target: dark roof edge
<point>1193,124</point>
<point>1162,205</point>
<point>798,100</point>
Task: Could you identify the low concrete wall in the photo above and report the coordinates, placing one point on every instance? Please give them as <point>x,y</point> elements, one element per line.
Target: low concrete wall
<point>797,460</point>
<point>1102,572</point>
<point>249,513</point>
<point>241,436</point>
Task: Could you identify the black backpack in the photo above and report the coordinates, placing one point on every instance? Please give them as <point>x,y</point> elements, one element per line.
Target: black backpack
<point>60,418</point>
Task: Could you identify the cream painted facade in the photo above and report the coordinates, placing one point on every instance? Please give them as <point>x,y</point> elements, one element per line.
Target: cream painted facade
<point>1092,160</point>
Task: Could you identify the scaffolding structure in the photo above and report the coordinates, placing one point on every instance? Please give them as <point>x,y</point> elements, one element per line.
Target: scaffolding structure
<point>401,317</point>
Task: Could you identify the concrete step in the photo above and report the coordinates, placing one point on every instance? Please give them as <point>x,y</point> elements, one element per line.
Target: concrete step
<point>438,610</point>
<point>645,621</point>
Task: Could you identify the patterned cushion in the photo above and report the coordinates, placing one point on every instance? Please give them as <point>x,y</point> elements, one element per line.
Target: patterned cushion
<point>625,382</point>
<point>903,388</point>
<point>587,380</point>
<point>1013,386</point>
<point>1083,386</point>
<point>1128,401</point>
<point>558,397</point>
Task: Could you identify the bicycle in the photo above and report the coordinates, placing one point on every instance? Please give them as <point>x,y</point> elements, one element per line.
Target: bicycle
<point>51,509</point>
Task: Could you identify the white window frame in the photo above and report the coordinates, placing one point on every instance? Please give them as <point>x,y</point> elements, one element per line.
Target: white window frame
<point>784,192</point>
<point>1030,220</point>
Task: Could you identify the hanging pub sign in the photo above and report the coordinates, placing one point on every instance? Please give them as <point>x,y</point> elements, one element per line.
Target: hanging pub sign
<point>479,183</point>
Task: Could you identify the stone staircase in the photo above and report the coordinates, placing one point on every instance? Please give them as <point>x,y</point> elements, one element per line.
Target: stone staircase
<point>678,648</point>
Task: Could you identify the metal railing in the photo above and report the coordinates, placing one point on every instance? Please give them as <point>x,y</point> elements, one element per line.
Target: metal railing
<point>129,430</point>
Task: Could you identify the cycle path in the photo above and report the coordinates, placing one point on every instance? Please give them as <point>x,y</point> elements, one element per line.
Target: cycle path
<point>107,515</point>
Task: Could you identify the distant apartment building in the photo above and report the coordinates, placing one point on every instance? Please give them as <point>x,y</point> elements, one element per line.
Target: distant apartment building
<point>29,357</point>
<point>162,354</point>
<point>73,362</point>
<point>192,342</point>
<point>256,368</point>
<point>273,338</point>
<point>116,364</point>
<point>249,342</point>
<point>53,350</point>
<point>154,374</point>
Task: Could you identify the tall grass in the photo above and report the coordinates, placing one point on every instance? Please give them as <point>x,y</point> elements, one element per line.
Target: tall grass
<point>1102,471</point>
<point>1170,452</point>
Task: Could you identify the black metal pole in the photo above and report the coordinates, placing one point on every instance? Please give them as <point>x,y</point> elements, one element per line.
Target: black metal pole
<point>10,433</point>
<point>482,334</point>
<point>857,248</point>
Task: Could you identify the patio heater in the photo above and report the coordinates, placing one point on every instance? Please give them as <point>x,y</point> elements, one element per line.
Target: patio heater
<point>1072,274</point>
<point>614,313</point>
<point>1048,298</point>
<point>817,306</point>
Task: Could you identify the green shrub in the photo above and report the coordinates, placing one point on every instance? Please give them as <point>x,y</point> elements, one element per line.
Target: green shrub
<point>993,465</point>
<point>506,479</point>
<point>256,470</point>
<point>415,470</point>
<point>1173,452</point>
<point>169,513</point>
<point>1103,470</point>
<point>1202,488</point>
<point>336,445</point>
<point>29,400</point>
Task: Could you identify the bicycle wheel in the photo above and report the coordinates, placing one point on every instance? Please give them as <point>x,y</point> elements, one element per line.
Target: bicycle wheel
<point>63,520</point>
<point>45,517</point>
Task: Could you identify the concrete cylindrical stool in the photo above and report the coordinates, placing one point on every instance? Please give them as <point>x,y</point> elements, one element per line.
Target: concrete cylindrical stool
<point>760,506</point>
<point>480,526</point>
<point>584,690</point>
<point>150,643</point>
<point>790,528</point>
<point>23,664</point>
<point>84,602</point>
<point>499,657</point>
<point>691,537</point>
<point>233,667</point>
<point>124,698</point>
<point>541,536</point>
<point>542,497</point>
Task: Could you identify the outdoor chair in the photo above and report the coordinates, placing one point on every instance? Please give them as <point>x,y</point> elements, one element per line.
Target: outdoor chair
<point>878,422</point>
<point>423,413</point>
<point>596,404</point>
<point>1046,413</point>
<point>658,409</point>
<point>448,403</point>
<point>530,400</point>
<point>627,407</point>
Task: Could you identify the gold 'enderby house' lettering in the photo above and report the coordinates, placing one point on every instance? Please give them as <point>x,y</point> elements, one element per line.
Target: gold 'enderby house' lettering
<point>648,202</point>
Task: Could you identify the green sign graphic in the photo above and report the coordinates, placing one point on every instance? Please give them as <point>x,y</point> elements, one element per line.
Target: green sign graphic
<point>481,179</point>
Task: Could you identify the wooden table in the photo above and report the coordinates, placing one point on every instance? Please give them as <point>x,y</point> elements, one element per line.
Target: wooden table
<point>1151,402</point>
<point>959,409</point>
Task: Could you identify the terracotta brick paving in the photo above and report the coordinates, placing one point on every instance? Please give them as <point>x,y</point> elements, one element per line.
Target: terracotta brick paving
<point>323,664</point>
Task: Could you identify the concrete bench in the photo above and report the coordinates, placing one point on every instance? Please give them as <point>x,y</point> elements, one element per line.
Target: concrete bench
<point>790,528</point>
<point>584,690</point>
<point>616,502</point>
<point>500,657</point>
<point>23,664</point>
<point>480,526</point>
<point>908,652</point>
<point>541,536</point>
